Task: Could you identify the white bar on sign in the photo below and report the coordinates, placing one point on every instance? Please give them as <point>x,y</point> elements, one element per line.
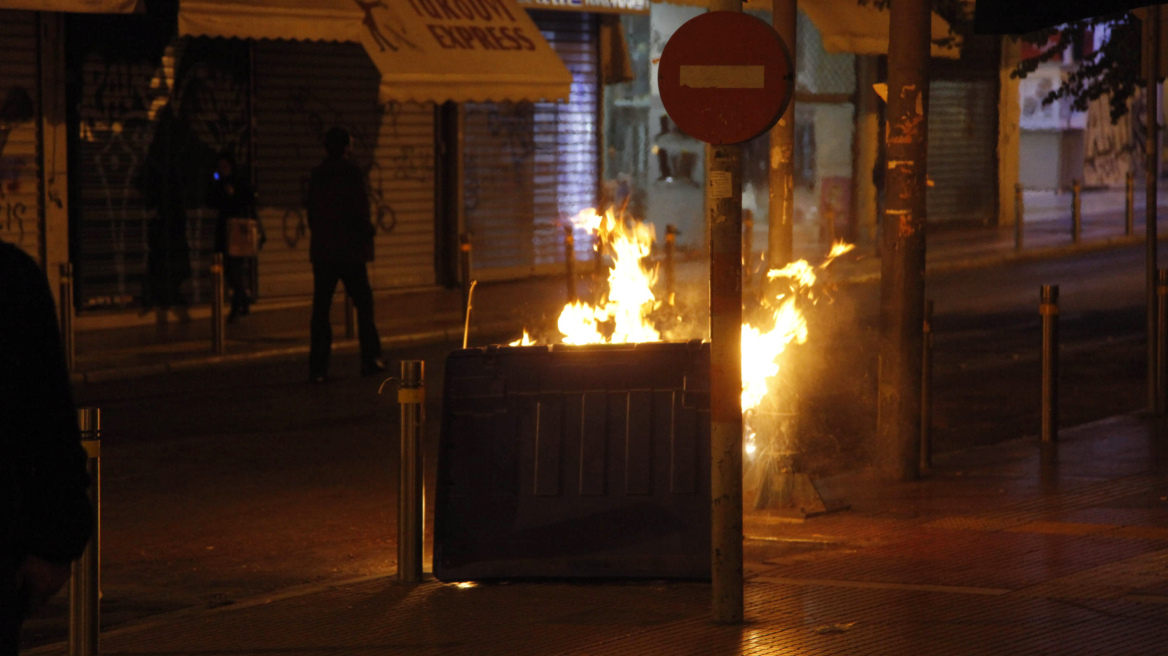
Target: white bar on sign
<point>723,77</point>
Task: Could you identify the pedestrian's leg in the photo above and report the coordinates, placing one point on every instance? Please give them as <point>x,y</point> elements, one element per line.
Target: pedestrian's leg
<point>324,283</point>
<point>233,269</point>
<point>356,280</point>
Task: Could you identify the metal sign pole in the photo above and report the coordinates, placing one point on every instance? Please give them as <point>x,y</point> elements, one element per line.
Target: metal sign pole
<point>724,212</point>
<point>902,267</point>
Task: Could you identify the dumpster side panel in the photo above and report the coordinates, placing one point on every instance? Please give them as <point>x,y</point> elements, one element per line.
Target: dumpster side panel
<point>570,462</point>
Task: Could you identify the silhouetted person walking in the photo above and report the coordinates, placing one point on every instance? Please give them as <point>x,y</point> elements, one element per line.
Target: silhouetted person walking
<point>45,515</point>
<point>341,246</point>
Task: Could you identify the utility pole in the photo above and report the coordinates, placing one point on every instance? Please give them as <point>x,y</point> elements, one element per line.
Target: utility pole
<point>724,213</point>
<point>1151,60</point>
<point>781,209</point>
<point>902,268</point>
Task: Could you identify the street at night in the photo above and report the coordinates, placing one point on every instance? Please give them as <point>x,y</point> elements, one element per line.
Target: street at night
<point>679,327</point>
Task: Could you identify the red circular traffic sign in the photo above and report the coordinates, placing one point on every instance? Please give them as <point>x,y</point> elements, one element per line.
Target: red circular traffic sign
<point>725,77</point>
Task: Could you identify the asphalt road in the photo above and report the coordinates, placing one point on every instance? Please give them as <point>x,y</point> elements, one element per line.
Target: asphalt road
<point>226,484</point>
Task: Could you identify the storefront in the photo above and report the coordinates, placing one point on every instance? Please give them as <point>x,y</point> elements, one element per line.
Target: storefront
<point>33,163</point>
<point>152,115</point>
<point>837,55</point>
<point>528,167</point>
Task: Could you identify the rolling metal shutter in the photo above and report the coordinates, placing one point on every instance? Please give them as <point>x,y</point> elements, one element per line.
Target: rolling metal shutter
<point>20,214</point>
<point>962,157</point>
<point>301,90</point>
<point>530,165</point>
<point>138,109</point>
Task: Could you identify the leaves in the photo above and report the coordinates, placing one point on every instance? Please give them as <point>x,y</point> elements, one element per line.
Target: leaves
<point>1113,69</point>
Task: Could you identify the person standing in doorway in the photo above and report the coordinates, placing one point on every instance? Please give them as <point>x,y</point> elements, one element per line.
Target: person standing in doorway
<point>231,194</point>
<point>341,245</point>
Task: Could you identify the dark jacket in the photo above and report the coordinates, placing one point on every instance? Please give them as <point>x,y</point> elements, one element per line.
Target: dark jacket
<point>338,213</point>
<point>44,507</point>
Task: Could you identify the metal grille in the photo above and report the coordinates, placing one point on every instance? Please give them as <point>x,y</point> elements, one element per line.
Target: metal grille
<point>962,157</point>
<point>818,71</point>
<point>529,165</point>
<point>150,120</point>
<point>303,89</point>
<point>19,172</point>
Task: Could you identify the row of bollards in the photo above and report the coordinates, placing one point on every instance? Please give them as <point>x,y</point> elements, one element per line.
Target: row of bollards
<point>1076,212</point>
<point>85,577</point>
<point>1049,311</point>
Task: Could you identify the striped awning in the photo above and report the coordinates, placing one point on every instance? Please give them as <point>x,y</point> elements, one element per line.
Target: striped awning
<point>77,6</point>
<point>480,51</point>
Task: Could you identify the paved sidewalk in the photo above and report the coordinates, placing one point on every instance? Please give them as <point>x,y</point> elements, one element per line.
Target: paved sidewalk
<point>995,553</point>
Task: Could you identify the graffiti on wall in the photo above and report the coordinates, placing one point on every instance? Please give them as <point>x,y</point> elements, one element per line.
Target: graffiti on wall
<point>149,132</point>
<point>17,110</point>
<point>1112,150</point>
<point>511,129</point>
<point>314,116</point>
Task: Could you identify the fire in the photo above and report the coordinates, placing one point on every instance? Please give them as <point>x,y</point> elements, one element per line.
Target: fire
<point>761,350</point>
<point>623,315</point>
<point>526,340</point>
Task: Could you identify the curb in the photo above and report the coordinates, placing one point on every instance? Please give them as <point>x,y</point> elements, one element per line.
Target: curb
<point>191,364</point>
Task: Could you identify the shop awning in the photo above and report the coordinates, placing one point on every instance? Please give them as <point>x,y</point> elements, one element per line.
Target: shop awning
<point>846,26</point>
<point>77,6</point>
<point>469,51</point>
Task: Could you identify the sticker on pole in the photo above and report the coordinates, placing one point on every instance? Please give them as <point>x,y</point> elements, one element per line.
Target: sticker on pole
<point>725,77</point>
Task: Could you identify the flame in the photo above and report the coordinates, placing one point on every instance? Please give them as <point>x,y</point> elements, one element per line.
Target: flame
<point>526,340</point>
<point>622,316</point>
<point>761,351</point>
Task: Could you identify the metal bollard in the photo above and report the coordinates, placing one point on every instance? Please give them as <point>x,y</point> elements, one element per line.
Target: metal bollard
<point>927,391</point>
<point>1076,212</point>
<point>85,578</point>
<point>1129,205</point>
<point>412,397</point>
<point>570,262</point>
<point>66,312</point>
<point>218,325</point>
<point>670,242</point>
<point>350,316</point>
<point>1161,340</point>
<point>1049,311</point>
<point>1019,215</point>
<point>464,264</point>
<point>747,247</point>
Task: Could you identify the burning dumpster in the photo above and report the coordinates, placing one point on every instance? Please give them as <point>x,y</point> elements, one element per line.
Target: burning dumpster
<point>574,461</point>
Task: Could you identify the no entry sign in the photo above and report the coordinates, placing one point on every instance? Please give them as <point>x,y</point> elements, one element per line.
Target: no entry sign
<point>725,77</point>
